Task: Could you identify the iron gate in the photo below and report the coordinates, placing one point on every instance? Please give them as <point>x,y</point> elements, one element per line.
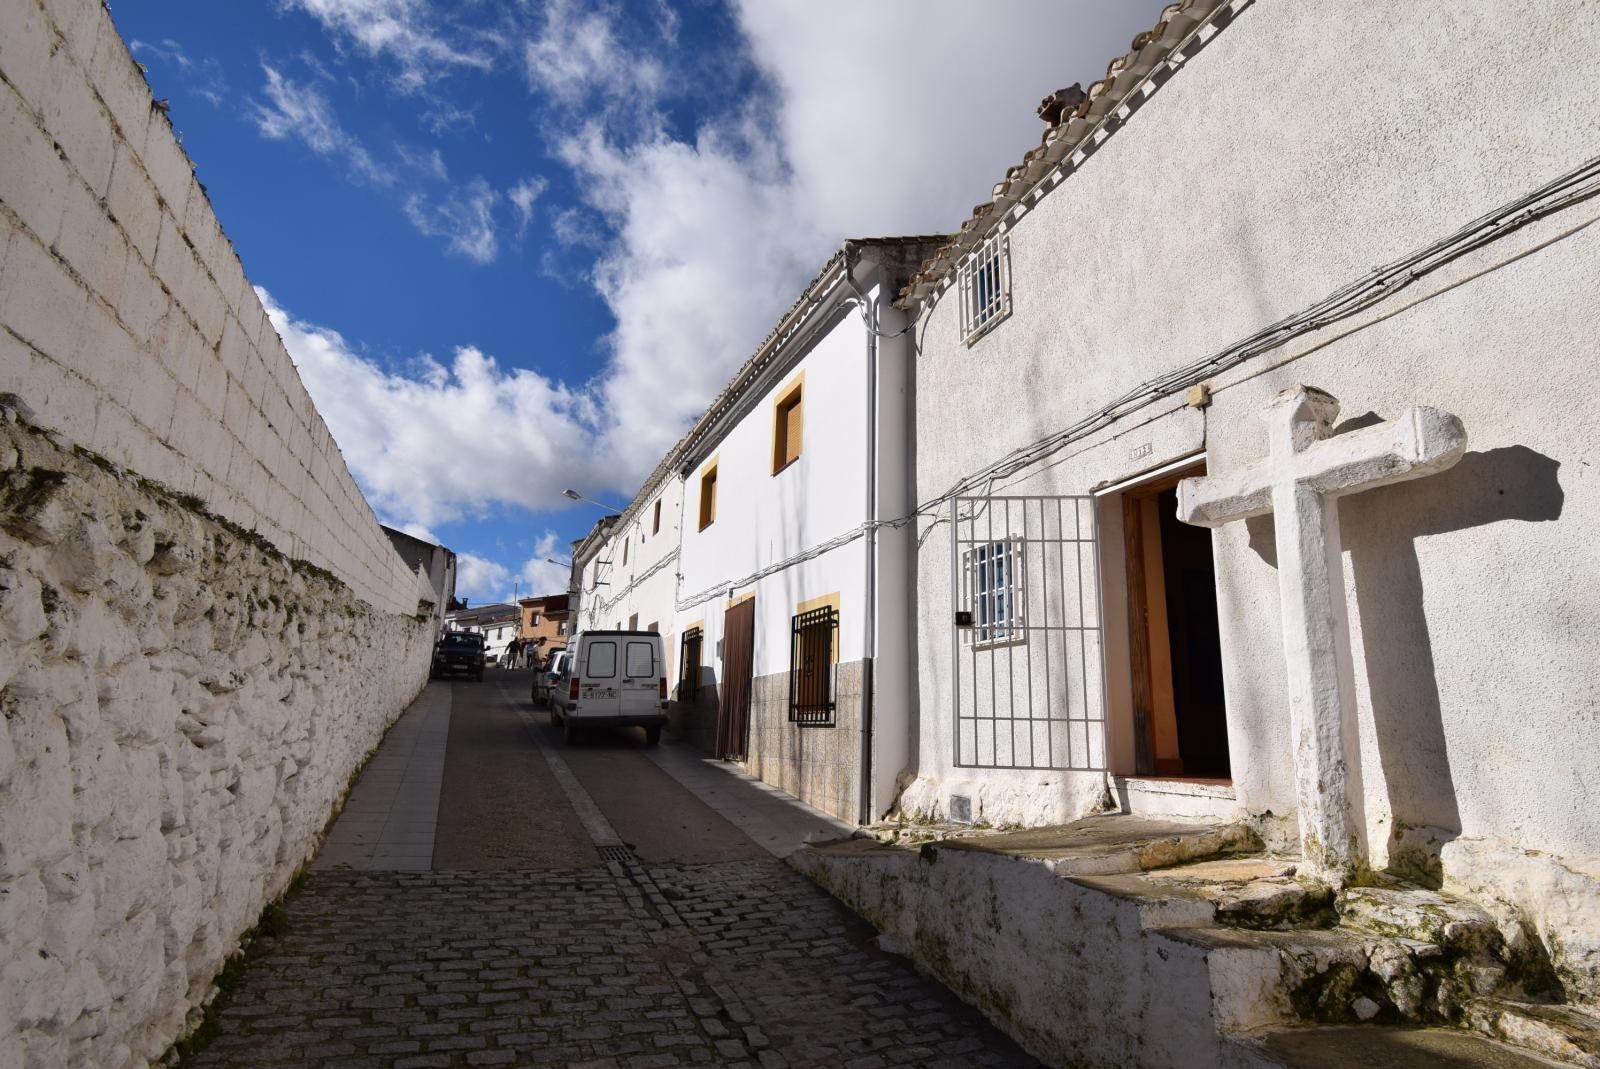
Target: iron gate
<point>1027,647</point>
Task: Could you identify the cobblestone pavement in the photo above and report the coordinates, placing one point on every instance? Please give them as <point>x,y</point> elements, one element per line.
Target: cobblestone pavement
<point>735,963</point>
<point>618,963</point>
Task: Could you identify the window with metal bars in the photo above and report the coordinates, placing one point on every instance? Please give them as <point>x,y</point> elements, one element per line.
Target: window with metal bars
<point>995,591</point>
<point>984,281</point>
<point>811,697</point>
<point>689,667</point>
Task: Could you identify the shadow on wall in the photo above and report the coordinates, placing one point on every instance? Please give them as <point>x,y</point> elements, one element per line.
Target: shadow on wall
<point>1379,530</point>
<point>692,715</point>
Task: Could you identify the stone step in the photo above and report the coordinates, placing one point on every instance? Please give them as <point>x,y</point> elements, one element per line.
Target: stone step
<point>1357,1047</point>
<point>1113,843</point>
<point>1247,892</point>
<point>1569,1034</point>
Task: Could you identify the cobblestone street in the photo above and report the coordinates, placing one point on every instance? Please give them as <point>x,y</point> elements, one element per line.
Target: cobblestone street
<point>732,961</point>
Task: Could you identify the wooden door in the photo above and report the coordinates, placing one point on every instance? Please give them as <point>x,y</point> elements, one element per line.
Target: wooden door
<point>738,666</point>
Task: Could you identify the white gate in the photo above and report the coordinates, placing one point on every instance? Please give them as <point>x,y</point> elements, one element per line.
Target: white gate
<point>1027,649</point>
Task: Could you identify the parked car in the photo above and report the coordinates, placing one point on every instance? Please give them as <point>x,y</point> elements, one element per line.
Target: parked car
<point>611,678</point>
<point>544,679</point>
<point>458,651</point>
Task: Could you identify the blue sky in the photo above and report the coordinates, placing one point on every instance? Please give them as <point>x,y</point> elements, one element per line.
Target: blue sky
<point>516,245</point>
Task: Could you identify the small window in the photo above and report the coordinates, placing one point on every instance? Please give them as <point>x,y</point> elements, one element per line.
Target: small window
<point>633,622</point>
<point>641,660</point>
<point>624,551</point>
<point>995,591</point>
<point>811,656</point>
<point>708,497</point>
<point>655,524</point>
<point>535,620</point>
<point>561,628</point>
<point>602,660</point>
<point>985,284</point>
<point>787,425</point>
<point>654,628</point>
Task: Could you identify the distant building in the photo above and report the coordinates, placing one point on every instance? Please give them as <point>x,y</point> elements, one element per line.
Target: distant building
<point>435,563</point>
<point>544,623</point>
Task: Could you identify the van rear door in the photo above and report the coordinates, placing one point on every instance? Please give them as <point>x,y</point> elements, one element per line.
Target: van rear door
<point>641,675</point>
<point>598,680</point>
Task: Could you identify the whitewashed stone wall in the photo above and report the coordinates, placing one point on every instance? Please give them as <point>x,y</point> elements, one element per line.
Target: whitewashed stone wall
<point>126,320</point>
<point>202,626</point>
<point>180,709</point>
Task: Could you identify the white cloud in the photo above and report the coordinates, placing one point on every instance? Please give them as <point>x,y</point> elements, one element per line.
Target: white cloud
<point>484,581</point>
<point>579,53</point>
<point>459,440</point>
<point>523,195</point>
<point>404,31</point>
<point>712,238</point>
<point>480,580</point>
<point>701,240</point>
<point>538,574</point>
<point>303,113</point>
<point>464,217</point>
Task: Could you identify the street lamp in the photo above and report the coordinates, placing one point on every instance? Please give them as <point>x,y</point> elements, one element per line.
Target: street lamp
<point>575,496</point>
<point>563,563</point>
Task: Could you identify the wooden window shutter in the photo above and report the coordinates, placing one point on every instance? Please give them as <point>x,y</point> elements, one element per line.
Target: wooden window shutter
<point>793,424</point>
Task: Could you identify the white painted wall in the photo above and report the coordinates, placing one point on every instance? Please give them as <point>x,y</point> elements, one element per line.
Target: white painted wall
<point>129,324</point>
<point>646,584</point>
<point>185,699</point>
<point>763,519</point>
<point>182,710</point>
<point>1223,205</point>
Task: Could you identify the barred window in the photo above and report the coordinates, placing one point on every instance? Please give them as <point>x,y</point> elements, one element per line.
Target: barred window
<point>985,284</point>
<point>995,591</point>
<point>811,656</point>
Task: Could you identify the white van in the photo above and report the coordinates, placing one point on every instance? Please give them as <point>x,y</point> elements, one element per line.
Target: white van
<point>612,677</point>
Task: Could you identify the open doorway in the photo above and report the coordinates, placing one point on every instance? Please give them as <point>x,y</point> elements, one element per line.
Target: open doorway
<point>1174,645</point>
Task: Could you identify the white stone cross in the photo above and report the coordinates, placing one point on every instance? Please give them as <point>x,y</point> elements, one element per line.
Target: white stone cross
<point>1300,482</point>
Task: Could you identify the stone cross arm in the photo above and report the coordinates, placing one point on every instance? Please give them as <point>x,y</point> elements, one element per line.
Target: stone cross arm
<point>1306,470</point>
<point>1420,442</point>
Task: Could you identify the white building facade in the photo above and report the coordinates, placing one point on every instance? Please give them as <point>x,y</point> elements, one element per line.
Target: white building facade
<point>794,562</point>
<point>1182,249</point>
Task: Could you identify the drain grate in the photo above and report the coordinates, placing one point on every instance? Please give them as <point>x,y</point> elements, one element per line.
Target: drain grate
<point>616,853</point>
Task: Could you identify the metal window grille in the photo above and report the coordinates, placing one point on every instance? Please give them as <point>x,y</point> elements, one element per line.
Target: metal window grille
<point>984,280</point>
<point>1028,673</point>
<point>993,574</point>
<point>811,697</point>
<point>689,668</point>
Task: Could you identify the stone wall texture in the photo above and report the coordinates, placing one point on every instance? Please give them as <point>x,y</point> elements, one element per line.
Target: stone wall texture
<point>126,321</point>
<point>181,707</point>
<point>202,626</point>
<point>818,764</point>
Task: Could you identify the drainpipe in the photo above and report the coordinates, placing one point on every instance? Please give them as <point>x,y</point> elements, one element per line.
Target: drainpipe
<point>869,313</point>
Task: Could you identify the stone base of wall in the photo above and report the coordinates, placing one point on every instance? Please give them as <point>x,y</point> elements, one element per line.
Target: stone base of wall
<point>820,765</point>
<point>181,708</point>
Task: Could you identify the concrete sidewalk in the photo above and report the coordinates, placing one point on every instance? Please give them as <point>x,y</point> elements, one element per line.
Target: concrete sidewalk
<point>389,821</point>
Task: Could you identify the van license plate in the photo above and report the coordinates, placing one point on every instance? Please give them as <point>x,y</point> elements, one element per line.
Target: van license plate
<point>600,692</point>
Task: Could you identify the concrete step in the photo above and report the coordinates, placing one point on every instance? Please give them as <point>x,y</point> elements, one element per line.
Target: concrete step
<point>1355,1047</point>
<point>1568,1034</point>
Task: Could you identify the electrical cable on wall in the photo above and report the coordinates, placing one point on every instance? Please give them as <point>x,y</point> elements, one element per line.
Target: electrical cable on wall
<point>1577,185</point>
